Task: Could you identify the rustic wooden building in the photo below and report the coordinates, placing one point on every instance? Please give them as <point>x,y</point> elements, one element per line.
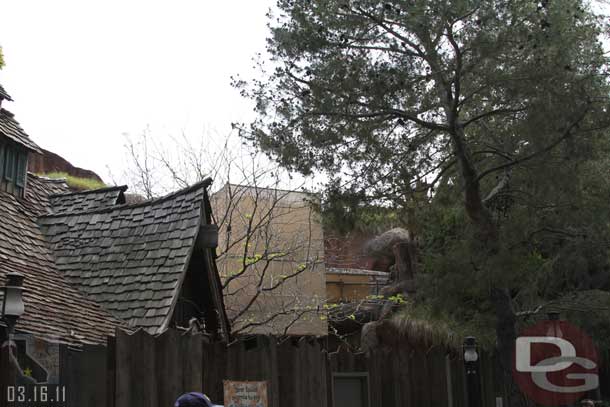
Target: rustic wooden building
<point>93,263</point>
<point>150,264</point>
<point>55,309</point>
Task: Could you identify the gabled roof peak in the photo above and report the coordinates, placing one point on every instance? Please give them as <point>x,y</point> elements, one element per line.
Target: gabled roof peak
<point>4,95</point>
<point>150,202</point>
<point>10,128</point>
<point>201,184</point>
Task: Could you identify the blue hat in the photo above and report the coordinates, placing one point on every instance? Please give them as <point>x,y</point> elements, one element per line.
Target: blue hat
<point>194,399</point>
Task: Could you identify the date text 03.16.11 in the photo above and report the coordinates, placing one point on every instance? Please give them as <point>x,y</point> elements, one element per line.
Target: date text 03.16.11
<point>38,395</point>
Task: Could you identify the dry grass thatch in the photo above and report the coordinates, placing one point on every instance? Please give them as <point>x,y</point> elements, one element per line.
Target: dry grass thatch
<point>418,325</point>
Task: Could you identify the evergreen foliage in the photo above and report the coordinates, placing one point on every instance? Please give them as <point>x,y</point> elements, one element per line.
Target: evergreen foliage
<point>480,125</point>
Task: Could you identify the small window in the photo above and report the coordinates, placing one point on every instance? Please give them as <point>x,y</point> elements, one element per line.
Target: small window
<point>13,168</point>
<point>21,169</point>
<point>351,389</point>
<point>9,164</point>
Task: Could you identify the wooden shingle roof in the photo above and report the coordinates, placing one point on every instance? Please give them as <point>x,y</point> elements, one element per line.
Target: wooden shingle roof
<point>10,128</point>
<point>4,95</point>
<point>39,190</point>
<point>54,309</point>
<point>75,202</point>
<point>131,259</point>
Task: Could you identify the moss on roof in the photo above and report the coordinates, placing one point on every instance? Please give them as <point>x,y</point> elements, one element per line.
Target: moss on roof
<point>76,183</point>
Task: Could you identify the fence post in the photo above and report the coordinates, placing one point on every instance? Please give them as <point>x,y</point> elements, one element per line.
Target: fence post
<point>111,379</point>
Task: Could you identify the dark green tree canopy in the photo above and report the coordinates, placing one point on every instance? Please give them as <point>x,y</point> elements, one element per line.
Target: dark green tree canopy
<point>371,92</point>
<point>484,121</point>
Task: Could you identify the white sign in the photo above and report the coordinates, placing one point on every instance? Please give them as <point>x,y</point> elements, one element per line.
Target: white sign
<point>245,394</point>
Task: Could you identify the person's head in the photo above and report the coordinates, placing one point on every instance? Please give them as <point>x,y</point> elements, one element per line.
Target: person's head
<point>194,399</point>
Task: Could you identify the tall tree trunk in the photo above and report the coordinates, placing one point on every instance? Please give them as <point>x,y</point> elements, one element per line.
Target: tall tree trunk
<point>404,255</point>
<point>506,334</point>
<point>488,234</point>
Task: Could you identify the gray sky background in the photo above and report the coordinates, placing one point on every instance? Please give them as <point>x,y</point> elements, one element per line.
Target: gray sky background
<point>84,73</point>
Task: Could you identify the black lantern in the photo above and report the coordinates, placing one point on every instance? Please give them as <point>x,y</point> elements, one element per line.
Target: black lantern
<point>12,303</point>
<point>471,364</point>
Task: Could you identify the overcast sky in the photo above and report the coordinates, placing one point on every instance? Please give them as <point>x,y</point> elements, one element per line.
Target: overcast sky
<point>84,73</point>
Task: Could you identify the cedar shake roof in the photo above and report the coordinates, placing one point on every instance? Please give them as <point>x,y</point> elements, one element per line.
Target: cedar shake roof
<point>55,310</point>
<point>39,190</point>
<point>131,259</point>
<point>4,95</point>
<point>10,128</point>
<point>75,202</point>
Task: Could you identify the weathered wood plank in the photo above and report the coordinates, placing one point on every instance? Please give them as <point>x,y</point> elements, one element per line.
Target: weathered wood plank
<point>274,398</point>
<point>111,373</point>
<point>123,361</point>
<point>143,371</point>
<point>286,381</point>
<point>168,370</point>
<point>85,375</point>
<point>192,377</point>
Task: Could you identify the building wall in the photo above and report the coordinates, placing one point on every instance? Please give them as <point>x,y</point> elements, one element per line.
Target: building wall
<point>275,234</point>
<point>346,288</point>
<point>348,251</point>
<point>349,286</point>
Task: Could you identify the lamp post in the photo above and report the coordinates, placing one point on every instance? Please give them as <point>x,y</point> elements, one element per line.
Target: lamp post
<point>12,302</point>
<point>11,309</point>
<point>471,365</point>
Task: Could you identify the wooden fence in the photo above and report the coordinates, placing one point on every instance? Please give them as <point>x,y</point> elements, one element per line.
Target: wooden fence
<point>140,370</point>
<point>294,369</point>
<point>153,371</point>
<point>415,377</point>
<point>84,372</point>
